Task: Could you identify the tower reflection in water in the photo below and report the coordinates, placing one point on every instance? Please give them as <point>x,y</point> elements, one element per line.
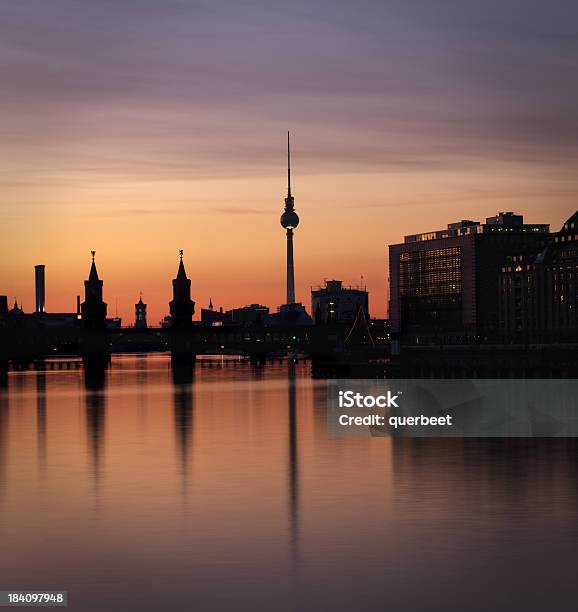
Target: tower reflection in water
<point>41,416</point>
<point>95,403</point>
<point>277,509</point>
<point>183,375</point>
<point>293,463</point>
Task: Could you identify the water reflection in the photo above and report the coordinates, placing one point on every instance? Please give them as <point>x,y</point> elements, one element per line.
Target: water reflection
<point>41,416</point>
<point>293,463</point>
<point>183,383</point>
<point>284,517</point>
<point>95,403</point>
<point>4,423</point>
<point>493,507</point>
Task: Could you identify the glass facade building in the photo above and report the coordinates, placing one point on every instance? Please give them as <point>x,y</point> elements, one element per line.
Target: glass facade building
<point>444,285</point>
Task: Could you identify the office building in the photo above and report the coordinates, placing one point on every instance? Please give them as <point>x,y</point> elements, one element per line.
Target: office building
<point>444,285</point>
<point>538,291</point>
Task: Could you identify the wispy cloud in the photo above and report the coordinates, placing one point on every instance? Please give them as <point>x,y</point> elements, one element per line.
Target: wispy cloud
<point>179,89</point>
<point>232,210</point>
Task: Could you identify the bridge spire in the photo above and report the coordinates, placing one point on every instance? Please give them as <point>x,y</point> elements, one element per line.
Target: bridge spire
<point>93,308</point>
<point>181,306</point>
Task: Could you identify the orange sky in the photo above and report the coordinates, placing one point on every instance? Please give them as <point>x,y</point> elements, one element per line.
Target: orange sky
<point>229,229</point>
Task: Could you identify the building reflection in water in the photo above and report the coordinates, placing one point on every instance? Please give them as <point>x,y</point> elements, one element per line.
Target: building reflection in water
<point>4,422</point>
<point>141,365</point>
<point>183,404</point>
<point>41,417</point>
<point>142,377</point>
<point>258,369</point>
<point>293,463</point>
<point>95,398</point>
<point>467,476</point>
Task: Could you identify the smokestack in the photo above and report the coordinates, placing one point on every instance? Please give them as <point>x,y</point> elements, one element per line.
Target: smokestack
<point>78,315</point>
<point>40,288</point>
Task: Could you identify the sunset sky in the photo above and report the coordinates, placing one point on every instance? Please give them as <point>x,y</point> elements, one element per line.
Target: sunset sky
<point>137,128</point>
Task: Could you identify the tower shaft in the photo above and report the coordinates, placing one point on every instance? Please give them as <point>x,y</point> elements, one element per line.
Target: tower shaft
<point>290,268</point>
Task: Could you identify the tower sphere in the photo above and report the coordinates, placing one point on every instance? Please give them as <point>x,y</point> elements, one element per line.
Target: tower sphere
<point>289,219</point>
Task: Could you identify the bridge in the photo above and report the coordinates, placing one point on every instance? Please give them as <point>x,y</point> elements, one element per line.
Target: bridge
<point>25,344</point>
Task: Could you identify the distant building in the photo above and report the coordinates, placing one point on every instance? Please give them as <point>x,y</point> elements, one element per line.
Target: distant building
<point>40,318</point>
<point>289,314</point>
<point>113,323</point>
<point>16,317</point>
<point>538,291</point>
<point>56,320</point>
<point>248,315</point>
<point>167,322</point>
<point>444,284</point>
<point>210,316</point>
<point>335,303</point>
<point>140,314</point>
<point>16,311</point>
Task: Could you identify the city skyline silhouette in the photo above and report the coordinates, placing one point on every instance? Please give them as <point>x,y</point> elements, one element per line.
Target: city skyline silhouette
<point>126,311</point>
<point>401,119</point>
<point>289,304</point>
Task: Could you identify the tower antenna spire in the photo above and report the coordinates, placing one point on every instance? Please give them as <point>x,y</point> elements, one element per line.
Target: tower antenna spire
<point>288,166</point>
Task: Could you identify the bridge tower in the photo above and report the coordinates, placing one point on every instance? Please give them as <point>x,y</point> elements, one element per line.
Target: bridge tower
<point>93,309</point>
<point>181,306</point>
<point>94,346</point>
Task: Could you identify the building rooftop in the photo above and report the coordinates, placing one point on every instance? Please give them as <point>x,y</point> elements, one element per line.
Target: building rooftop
<point>501,222</point>
<point>337,285</point>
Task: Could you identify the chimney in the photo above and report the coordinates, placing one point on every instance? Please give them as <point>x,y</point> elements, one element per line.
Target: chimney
<point>40,288</point>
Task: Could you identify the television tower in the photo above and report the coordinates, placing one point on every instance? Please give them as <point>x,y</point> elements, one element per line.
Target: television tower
<point>289,220</point>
